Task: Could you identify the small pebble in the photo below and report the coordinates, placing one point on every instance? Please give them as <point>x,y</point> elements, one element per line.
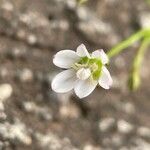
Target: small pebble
<point>91,147</point>
<point>69,111</point>
<point>32,39</point>
<point>5,91</point>
<point>144,132</point>
<point>124,126</point>
<point>42,112</point>
<point>106,124</point>
<point>51,141</point>
<point>145,19</point>
<point>26,75</point>
<point>117,140</point>
<point>1,106</point>
<point>7,6</point>
<point>16,132</point>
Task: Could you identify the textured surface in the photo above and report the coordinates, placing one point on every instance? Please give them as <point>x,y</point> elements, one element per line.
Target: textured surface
<point>32,117</point>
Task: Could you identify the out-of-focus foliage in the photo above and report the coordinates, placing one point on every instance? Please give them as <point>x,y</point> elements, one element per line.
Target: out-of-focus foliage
<point>148,1</point>
<point>81,1</point>
<point>134,77</point>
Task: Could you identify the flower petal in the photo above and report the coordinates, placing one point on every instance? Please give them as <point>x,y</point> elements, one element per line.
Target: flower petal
<point>64,81</point>
<point>84,87</point>
<point>105,80</point>
<point>65,58</point>
<point>82,51</point>
<point>102,55</point>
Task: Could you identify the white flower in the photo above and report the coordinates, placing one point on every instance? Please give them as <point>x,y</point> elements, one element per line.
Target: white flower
<point>83,71</point>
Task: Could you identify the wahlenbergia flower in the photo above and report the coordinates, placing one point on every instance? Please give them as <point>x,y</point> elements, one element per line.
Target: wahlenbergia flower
<point>83,71</point>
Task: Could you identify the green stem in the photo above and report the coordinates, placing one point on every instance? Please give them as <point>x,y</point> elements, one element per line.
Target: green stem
<point>140,54</point>
<point>132,39</point>
<point>134,80</point>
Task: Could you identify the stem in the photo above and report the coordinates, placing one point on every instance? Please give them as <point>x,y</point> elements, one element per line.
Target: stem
<point>140,54</point>
<point>134,80</point>
<point>132,39</point>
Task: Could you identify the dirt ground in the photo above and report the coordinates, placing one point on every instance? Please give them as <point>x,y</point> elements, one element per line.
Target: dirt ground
<point>32,116</point>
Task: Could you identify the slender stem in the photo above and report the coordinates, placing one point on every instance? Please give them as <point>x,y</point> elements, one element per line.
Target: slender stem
<point>134,78</point>
<point>126,43</point>
<point>140,54</point>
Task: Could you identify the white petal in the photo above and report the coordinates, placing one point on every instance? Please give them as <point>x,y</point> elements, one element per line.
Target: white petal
<point>105,80</point>
<point>102,55</point>
<point>65,58</point>
<point>82,51</point>
<point>64,81</point>
<point>84,87</point>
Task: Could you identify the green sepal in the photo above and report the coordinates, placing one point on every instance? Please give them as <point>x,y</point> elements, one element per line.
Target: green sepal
<point>95,64</point>
<point>96,73</point>
<point>84,60</point>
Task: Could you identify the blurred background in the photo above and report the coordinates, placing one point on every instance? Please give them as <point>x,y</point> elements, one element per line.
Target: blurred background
<point>32,116</point>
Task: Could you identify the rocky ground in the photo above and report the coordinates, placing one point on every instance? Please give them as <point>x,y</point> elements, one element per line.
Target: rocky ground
<point>32,117</point>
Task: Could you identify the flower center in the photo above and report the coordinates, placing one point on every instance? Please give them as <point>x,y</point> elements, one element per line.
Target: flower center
<point>83,73</point>
<point>88,67</point>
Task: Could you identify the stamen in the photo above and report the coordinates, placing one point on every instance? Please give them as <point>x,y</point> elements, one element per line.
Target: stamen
<point>83,73</point>
<point>88,67</point>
